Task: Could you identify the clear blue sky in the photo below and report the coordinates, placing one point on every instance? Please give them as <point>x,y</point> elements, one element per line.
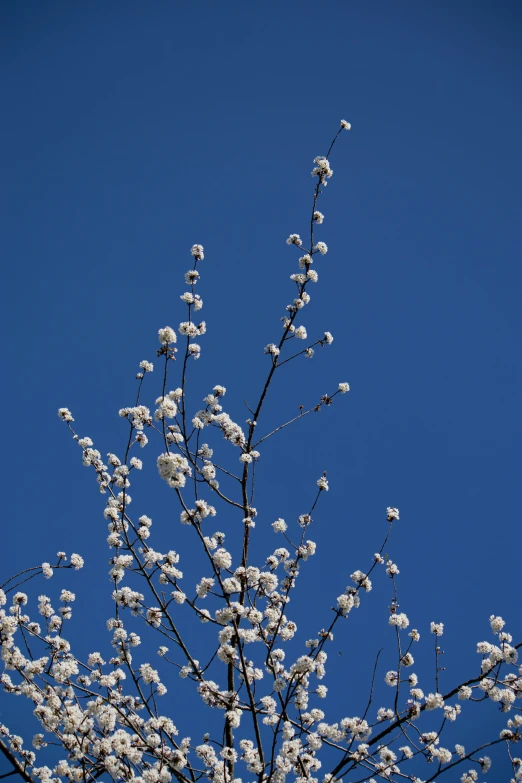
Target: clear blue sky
<point>132,130</point>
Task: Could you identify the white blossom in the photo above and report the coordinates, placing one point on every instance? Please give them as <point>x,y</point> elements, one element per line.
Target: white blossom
<point>434,700</point>
<point>322,169</point>
<point>197,252</point>
<point>77,561</point>
<point>272,349</point>
<point>399,619</point>
<point>167,335</point>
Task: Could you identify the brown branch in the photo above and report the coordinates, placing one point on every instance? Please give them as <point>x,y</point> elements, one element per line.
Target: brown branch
<point>18,767</point>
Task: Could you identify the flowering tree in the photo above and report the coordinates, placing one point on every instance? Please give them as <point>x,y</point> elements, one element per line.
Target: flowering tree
<point>262,712</point>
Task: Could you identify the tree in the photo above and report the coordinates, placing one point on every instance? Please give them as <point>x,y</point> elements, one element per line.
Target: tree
<point>110,716</point>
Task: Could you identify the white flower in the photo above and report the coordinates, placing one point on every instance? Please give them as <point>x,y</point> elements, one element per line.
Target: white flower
<point>148,674</point>
<point>485,763</point>
<point>47,571</point>
<point>391,678</point>
<point>272,349</point>
<point>77,561</point>
<point>222,558</point>
<point>189,329</point>
<point>392,513</point>
<point>294,239</point>
<point>197,252</point>
<point>322,483</point>
<point>361,579</point>
<point>167,335</point>
<point>279,526</point>
<point>300,333</point>
<point>345,125</point>
<point>399,619</point>
<point>231,585</point>
<point>497,623</point>
<point>328,338</point>
<point>345,603</point>
<point>391,568</point>
<point>434,700</point>
<point>146,366</point>
<point>231,430</point>
<point>452,713</point>
<point>322,247</point>
<point>344,387</point>
<point>65,414</point>
<point>322,169</point>
<point>228,754</point>
<point>38,742</point>
<point>173,468</point>
<point>196,300</point>
<point>140,416</point>
<point>441,754</point>
<point>437,628</point>
<point>192,277</point>
<point>318,217</point>
<point>429,737</point>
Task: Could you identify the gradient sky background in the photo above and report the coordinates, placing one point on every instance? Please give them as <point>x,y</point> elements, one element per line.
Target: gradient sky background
<point>132,130</point>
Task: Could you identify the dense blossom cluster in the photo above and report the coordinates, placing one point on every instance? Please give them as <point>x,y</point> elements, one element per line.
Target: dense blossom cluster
<point>106,712</point>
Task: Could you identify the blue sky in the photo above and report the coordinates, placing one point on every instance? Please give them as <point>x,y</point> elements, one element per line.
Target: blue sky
<point>131,131</point>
